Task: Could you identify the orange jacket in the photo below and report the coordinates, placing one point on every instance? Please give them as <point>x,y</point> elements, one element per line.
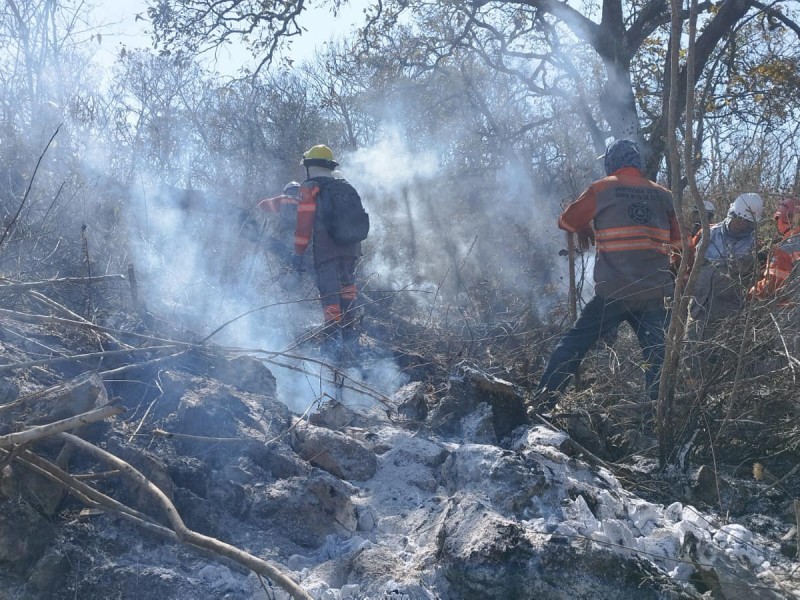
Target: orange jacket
<point>779,266</point>
<point>636,230</point>
<point>275,203</point>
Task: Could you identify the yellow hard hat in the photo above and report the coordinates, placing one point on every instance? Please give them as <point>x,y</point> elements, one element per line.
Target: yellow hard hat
<point>319,155</point>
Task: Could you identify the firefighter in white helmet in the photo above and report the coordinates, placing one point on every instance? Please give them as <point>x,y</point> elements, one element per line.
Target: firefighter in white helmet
<point>727,270</point>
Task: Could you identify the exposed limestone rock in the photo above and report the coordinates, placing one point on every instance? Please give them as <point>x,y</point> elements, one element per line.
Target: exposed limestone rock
<point>411,401</point>
<point>245,373</point>
<point>334,452</point>
<point>76,396</point>
<point>24,534</point>
<point>510,481</point>
<point>333,415</point>
<point>48,574</point>
<point>306,509</point>
<point>18,482</point>
<point>468,388</point>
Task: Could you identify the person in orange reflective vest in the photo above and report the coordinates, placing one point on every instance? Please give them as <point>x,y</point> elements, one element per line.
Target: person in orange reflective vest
<point>636,231</point>
<point>285,207</point>
<point>782,275</point>
<point>334,263</point>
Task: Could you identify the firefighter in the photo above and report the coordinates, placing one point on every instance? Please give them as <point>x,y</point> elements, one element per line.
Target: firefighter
<point>285,207</point>
<point>635,228</point>
<point>334,263</point>
<point>781,278</point>
<point>728,266</point>
<point>697,224</point>
<point>781,274</point>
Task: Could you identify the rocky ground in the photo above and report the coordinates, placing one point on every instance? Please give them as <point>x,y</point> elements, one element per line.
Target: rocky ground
<point>412,479</point>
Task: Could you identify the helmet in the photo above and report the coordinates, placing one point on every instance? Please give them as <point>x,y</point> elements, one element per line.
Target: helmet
<point>788,209</point>
<point>291,188</point>
<point>620,154</point>
<point>748,206</point>
<point>319,156</point>
<point>708,205</point>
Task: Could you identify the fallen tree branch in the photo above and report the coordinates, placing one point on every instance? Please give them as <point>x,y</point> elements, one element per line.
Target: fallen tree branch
<point>97,475</point>
<point>207,439</point>
<point>112,373</point>
<point>56,427</point>
<point>257,565</point>
<point>359,387</point>
<point>92,498</point>
<point>52,391</point>
<point>73,315</point>
<point>29,285</point>
<point>80,357</point>
<point>48,319</point>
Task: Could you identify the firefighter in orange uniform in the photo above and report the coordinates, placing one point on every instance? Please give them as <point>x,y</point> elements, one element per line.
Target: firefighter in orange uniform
<point>334,263</point>
<point>782,273</point>
<point>636,231</point>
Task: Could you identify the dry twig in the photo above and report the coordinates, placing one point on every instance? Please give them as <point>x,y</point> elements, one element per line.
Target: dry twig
<point>43,431</point>
<point>185,534</point>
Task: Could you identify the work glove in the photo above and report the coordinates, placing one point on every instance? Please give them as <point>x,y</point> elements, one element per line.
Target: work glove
<point>297,262</point>
<point>585,239</point>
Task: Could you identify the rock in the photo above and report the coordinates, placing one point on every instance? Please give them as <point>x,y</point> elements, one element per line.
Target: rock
<point>332,415</point>
<point>198,514</point>
<point>334,452</point>
<point>48,574</point>
<point>279,460</point>
<point>305,509</point>
<point>76,396</point>
<point>513,480</point>
<point>206,409</point>
<point>148,465</point>
<point>478,426</point>
<point>18,482</point>
<point>24,534</point>
<point>468,388</point>
<point>708,487</point>
<point>411,402</point>
<point>366,519</point>
<point>726,577</point>
<point>245,373</point>
<point>486,556</point>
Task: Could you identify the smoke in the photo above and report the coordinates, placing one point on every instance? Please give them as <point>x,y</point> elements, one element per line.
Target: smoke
<point>452,226</point>
<point>454,236</point>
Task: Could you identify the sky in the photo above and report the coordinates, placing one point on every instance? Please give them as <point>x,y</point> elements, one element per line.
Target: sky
<point>118,23</point>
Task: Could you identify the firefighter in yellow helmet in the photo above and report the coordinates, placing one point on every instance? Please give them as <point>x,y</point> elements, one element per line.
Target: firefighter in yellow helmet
<point>334,259</point>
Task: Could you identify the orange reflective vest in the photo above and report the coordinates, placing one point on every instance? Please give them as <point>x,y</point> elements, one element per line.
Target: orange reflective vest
<point>636,231</point>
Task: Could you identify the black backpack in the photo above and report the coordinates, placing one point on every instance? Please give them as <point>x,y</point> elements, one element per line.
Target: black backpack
<point>341,211</point>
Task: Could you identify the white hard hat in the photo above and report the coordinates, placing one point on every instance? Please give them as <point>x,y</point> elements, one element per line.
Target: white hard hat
<point>748,206</point>
<point>708,205</point>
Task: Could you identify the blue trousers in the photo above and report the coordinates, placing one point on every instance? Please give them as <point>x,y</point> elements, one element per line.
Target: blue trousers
<point>648,318</point>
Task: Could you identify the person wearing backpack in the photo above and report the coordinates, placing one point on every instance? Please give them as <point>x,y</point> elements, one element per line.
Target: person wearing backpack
<point>331,219</point>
